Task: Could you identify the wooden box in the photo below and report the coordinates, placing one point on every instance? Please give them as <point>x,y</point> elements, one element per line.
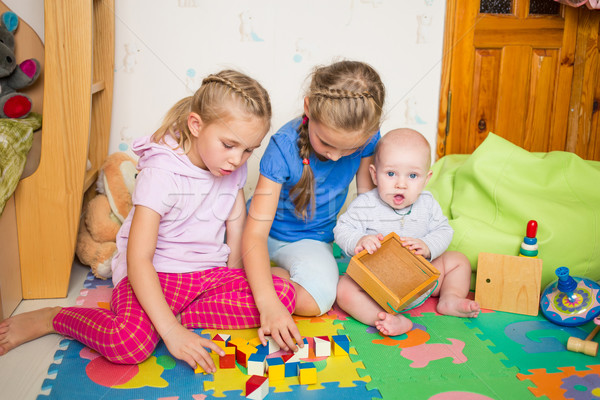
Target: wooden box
<point>393,276</point>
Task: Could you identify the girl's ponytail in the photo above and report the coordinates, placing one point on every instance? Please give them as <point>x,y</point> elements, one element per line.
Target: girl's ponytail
<point>302,193</point>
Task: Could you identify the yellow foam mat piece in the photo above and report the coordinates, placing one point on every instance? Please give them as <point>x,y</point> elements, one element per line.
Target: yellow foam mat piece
<point>329,369</point>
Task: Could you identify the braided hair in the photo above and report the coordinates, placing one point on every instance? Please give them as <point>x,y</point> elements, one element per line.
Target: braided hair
<point>347,96</point>
<point>217,97</point>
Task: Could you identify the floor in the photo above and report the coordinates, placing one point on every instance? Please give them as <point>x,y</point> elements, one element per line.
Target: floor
<point>24,369</point>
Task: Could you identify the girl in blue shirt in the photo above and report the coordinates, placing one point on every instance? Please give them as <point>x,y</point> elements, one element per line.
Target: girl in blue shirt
<point>304,177</point>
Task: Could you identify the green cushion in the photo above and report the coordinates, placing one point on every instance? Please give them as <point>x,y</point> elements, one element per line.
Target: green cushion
<point>490,195</point>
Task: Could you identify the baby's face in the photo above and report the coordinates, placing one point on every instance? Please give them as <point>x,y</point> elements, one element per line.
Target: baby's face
<point>401,173</point>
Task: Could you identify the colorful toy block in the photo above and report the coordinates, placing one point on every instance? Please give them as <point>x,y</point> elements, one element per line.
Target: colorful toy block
<point>275,369</point>
<point>393,276</point>
<point>262,349</point>
<point>257,387</point>
<point>243,352</point>
<point>273,346</point>
<point>256,364</point>
<point>303,351</point>
<point>228,360</point>
<point>270,348</point>
<point>255,342</point>
<point>222,344</point>
<point>235,342</point>
<point>322,346</point>
<point>340,345</point>
<point>222,337</point>
<point>307,373</point>
<point>291,363</point>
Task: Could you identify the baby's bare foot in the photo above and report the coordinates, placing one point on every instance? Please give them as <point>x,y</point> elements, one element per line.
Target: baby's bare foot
<point>393,325</point>
<point>21,328</point>
<point>458,307</point>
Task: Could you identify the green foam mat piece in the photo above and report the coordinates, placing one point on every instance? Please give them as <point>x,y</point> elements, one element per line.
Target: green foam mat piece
<point>440,365</point>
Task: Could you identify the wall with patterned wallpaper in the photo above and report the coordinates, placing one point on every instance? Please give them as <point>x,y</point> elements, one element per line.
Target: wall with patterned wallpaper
<point>165,47</point>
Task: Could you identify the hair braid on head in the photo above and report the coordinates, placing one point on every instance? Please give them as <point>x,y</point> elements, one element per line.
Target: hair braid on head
<point>302,193</point>
<point>346,96</point>
<point>224,81</point>
<point>213,101</point>
<point>342,94</point>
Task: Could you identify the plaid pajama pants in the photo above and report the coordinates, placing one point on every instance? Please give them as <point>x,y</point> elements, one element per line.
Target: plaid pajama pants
<point>218,298</point>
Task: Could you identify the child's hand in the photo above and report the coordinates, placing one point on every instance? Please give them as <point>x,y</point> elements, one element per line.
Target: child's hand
<point>369,242</point>
<point>279,324</point>
<point>417,246</point>
<point>190,347</point>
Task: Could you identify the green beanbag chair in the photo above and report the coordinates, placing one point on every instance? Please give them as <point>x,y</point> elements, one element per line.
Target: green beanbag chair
<point>490,195</point>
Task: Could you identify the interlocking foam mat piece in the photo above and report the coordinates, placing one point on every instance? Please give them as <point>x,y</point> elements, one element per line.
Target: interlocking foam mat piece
<point>495,356</point>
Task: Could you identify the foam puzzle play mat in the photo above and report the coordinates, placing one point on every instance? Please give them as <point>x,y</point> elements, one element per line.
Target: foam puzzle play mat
<point>498,355</point>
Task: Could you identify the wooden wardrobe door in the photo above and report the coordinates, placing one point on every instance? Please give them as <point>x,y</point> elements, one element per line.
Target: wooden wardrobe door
<point>508,72</point>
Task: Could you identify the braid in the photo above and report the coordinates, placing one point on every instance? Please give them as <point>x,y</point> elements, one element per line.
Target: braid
<point>342,94</point>
<point>302,192</point>
<point>213,101</point>
<point>347,96</point>
<point>224,81</point>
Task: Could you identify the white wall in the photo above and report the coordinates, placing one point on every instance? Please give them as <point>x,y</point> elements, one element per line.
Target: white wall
<point>165,47</point>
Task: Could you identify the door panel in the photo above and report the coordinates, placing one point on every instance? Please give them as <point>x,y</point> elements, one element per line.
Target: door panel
<point>509,74</point>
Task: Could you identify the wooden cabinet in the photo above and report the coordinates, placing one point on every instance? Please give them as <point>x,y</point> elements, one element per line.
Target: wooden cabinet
<point>528,76</point>
<point>78,82</point>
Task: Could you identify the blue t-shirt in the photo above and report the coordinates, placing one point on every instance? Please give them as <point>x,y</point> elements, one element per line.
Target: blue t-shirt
<point>281,163</point>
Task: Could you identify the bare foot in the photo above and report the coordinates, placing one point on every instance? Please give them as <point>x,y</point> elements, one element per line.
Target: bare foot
<point>458,307</point>
<point>21,328</point>
<point>393,325</point>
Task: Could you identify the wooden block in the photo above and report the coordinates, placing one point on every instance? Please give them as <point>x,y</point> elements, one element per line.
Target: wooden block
<point>307,373</point>
<point>256,364</point>
<point>303,351</point>
<point>508,283</point>
<point>222,337</point>
<point>255,342</point>
<point>238,341</point>
<point>273,346</point>
<point>257,387</point>
<point>340,345</point>
<point>243,352</point>
<point>228,360</point>
<point>291,364</point>
<point>393,276</point>
<point>275,369</point>
<point>221,344</point>
<point>322,346</point>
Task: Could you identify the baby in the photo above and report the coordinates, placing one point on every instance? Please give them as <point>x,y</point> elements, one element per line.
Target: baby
<point>401,170</point>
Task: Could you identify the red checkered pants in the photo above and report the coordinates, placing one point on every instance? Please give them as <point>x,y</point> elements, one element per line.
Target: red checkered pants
<point>218,298</point>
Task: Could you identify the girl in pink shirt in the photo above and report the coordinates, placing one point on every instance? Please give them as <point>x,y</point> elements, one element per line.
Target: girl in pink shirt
<point>178,264</point>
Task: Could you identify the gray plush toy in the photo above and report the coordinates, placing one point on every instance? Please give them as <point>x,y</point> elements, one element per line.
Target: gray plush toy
<point>14,76</point>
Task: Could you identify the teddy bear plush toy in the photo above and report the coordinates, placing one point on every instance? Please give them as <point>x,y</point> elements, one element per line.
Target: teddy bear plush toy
<point>14,76</point>
<point>104,214</point>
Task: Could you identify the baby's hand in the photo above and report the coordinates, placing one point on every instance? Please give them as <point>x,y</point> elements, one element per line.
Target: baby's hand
<point>417,246</point>
<point>369,242</point>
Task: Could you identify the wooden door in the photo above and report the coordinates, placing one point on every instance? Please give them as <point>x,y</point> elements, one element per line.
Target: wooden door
<point>508,68</point>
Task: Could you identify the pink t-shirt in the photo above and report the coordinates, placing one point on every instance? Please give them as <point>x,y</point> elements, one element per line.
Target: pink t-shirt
<point>193,204</point>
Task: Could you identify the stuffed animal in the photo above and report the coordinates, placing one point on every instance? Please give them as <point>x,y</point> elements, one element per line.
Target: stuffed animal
<point>105,213</point>
<point>14,76</point>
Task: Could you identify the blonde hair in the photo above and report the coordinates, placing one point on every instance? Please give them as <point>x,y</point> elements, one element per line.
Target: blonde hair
<point>216,100</point>
<point>346,96</point>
